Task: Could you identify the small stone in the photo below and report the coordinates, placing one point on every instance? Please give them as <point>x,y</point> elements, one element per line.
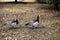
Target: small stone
<point>15,39</point>
<point>10,38</point>
<point>50,33</point>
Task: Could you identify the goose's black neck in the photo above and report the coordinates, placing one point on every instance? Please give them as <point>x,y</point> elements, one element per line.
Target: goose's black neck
<point>38,19</point>
<point>17,21</point>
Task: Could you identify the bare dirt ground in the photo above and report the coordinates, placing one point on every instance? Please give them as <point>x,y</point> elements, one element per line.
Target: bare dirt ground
<point>50,19</point>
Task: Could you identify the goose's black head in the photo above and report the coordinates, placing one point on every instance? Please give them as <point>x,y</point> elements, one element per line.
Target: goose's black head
<point>16,21</point>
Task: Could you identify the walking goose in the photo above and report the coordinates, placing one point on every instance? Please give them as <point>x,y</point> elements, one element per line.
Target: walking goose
<point>12,23</point>
<point>33,23</point>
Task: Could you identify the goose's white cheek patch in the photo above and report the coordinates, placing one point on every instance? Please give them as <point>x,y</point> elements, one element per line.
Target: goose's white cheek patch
<point>35,24</point>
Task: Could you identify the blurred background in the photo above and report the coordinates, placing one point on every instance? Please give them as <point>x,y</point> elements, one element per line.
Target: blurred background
<point>26,10</point>
<point>55,2</point>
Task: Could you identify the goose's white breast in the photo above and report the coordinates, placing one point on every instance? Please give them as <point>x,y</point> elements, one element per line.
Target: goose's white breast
<point>13,24</point>
<point>35,24</point>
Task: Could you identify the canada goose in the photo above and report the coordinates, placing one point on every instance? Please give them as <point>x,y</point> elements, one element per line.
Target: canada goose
<point>33,23</point>
<point>12,23</point>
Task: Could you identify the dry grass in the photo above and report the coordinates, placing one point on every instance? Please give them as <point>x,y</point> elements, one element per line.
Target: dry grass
<point>26,12</point>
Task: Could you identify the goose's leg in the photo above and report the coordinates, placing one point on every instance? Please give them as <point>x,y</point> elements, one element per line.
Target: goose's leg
<point>33,27</point>
<point>12,27</point>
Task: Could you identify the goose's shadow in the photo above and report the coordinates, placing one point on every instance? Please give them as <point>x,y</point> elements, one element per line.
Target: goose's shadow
<point>23,27</point>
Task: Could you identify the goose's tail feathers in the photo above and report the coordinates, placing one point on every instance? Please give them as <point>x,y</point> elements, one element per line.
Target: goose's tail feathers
<point>26,24</point>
